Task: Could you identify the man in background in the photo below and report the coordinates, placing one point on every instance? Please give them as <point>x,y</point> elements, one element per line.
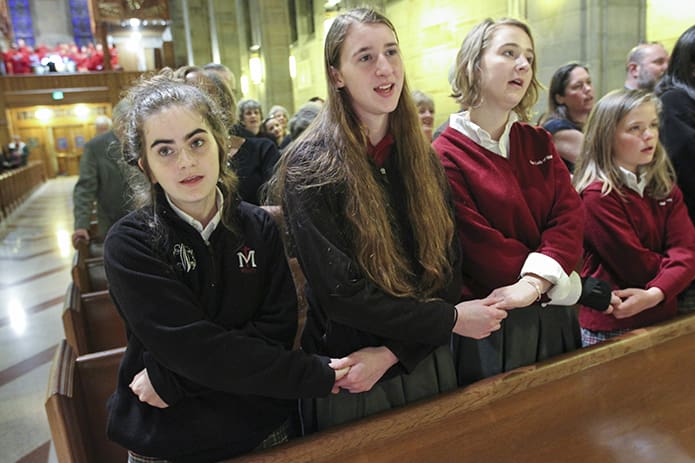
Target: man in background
<point>646,63</point>
<point>102,179</point>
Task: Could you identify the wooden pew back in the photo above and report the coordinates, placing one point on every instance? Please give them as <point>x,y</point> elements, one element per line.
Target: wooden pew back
<point>91,321</point>
<point>78,388</point>
<point>629,399</point>
<point>88,267</point>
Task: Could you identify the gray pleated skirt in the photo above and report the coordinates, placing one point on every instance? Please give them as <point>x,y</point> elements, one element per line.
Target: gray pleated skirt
<point>528,335</point>
<point>434,375</point>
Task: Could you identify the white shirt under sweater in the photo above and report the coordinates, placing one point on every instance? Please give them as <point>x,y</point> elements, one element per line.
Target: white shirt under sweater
<point>566,289</point>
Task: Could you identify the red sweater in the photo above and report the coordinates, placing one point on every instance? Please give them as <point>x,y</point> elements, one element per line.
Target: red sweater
<point>636,242</point>
<point>508,208</point>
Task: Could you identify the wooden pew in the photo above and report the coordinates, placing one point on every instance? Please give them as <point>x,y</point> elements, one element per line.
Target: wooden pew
<point>16,185</point>
<point>88,267</point>
<point>78,388</point>
<point>91,321</point>
<point>630,399</point>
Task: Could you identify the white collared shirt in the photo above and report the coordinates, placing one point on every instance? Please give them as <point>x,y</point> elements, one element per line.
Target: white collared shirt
<point>207,231</point>
<point>461,122</point>
<point>632,183</point>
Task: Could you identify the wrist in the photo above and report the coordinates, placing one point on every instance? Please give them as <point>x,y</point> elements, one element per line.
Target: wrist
<point>543,284</point>
<point>536,287</point>
<point>656,294</point>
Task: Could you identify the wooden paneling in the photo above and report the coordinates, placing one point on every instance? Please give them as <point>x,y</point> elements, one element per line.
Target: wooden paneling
<point>37,90</point>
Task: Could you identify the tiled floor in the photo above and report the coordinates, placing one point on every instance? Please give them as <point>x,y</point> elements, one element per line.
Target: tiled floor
<point>35,259</point>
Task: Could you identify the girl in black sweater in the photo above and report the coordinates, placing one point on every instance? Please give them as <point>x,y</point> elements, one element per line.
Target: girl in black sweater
<point>202,283</point>
<point>365,200</point>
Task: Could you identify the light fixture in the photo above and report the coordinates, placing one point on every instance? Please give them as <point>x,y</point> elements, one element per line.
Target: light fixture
<point>43,114</point>
<point>244,84</point>
<point>81,111</point>
<point>256,69</point>
<point>293,67</point>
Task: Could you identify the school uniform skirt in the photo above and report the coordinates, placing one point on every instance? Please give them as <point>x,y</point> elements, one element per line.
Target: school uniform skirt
<point>528,335</point>
<point>432,376</point>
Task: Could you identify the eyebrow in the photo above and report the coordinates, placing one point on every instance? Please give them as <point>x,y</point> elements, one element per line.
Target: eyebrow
<point>189,135</point>
<point>363,49</point>
<point>516,45</point>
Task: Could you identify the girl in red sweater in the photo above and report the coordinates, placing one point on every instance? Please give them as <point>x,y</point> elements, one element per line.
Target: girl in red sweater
<point>519,220</point>
<point>638,235</point>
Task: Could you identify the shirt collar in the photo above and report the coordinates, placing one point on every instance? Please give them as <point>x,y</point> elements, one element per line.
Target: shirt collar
<point>462,123</point>
<point>207,231</point>
<point>381,151</point>
<point>632,183</point>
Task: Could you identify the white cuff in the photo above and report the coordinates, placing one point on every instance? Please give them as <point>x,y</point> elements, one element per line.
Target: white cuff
<point>543,266</point>
<point>567,291</point>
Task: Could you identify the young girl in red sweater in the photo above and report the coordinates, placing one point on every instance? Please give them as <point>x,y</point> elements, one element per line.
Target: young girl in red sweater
<point>638,235</point>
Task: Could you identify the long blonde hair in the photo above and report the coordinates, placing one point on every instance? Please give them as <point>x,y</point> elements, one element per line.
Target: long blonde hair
<point>596,161</point>
<point>332,151</point>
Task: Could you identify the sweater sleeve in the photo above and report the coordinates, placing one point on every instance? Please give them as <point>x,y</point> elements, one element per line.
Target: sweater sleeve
<point>610,235</point>
<point>85,192</point>
<point>342,290</point>
<point>677,264</point>
<point>165,317</point>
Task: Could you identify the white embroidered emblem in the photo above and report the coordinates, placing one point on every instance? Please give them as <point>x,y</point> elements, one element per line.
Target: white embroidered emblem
<point>542,161</point>
<point>247,259</point>
<point>186,257</point>
<point>667,200</point>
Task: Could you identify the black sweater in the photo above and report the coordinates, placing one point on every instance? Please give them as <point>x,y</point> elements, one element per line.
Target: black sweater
<point>254,163</point>
<point>677,133</point>
<point>347,310</point>
<point>212,323</point>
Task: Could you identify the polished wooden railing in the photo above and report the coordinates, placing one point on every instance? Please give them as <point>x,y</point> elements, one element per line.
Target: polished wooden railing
<point>629,399</point>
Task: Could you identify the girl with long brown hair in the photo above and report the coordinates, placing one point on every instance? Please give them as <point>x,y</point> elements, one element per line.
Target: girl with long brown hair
<point>366,205</point>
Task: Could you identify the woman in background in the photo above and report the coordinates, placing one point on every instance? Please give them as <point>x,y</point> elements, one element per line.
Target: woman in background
<point>425,111</point>
<point>570,99</point>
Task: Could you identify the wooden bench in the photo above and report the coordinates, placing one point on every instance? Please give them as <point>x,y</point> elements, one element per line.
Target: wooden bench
<point>78,388</point>
<point>16,185</point>
<point>91,321</point>
<point>629,399</point>
<point>88,267</point>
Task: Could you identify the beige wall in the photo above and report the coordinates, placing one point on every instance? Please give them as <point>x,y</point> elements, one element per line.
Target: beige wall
<point>596,32</point>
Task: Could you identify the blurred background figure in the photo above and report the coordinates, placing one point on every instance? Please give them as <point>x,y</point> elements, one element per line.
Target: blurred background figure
<point>283,116</point>
<point>301,120</point>
<point>570,99</point>
<point>102,179</point>
<point>17,153</point>
<point>272,128</point>
<point>250,118</point>
<point>646,63</point>
<point>425,110</point>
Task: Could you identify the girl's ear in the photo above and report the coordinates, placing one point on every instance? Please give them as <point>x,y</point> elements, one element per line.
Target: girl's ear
<point>141,166</point>
<point>337,78</point>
